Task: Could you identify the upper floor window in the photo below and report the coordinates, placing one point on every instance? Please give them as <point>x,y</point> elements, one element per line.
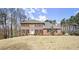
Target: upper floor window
<point>27,25</point>
<point>38,25</point>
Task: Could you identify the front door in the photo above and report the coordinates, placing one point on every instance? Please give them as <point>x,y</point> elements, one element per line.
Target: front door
<point>32,31</point>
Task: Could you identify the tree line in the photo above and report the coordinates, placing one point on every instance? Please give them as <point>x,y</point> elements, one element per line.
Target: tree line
<point>10,19</point>
<point>73,20</point>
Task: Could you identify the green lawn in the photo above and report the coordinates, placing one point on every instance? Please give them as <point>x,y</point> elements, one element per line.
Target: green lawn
<point>40,43</point>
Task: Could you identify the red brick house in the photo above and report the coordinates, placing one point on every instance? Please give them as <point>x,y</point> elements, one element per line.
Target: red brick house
<point>34,27</point>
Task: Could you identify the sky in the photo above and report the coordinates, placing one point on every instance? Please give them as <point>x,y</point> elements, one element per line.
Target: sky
<point>57,14</point>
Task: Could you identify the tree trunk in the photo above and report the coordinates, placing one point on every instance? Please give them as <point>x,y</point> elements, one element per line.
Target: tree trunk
<point>20,26</point>
<point>5,28</point>
<point>11,27</point>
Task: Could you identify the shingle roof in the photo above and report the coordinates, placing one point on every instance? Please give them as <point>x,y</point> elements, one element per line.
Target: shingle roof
<point>32,21</point>
<point>47,25</point>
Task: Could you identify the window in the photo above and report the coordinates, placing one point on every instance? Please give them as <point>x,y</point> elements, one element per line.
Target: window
<point>38,25</point>
<point>27,31</point>
<point>27,25</point>
<point>23,31</point>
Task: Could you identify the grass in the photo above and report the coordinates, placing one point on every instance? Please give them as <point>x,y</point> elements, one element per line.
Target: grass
<point>40,43</point>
